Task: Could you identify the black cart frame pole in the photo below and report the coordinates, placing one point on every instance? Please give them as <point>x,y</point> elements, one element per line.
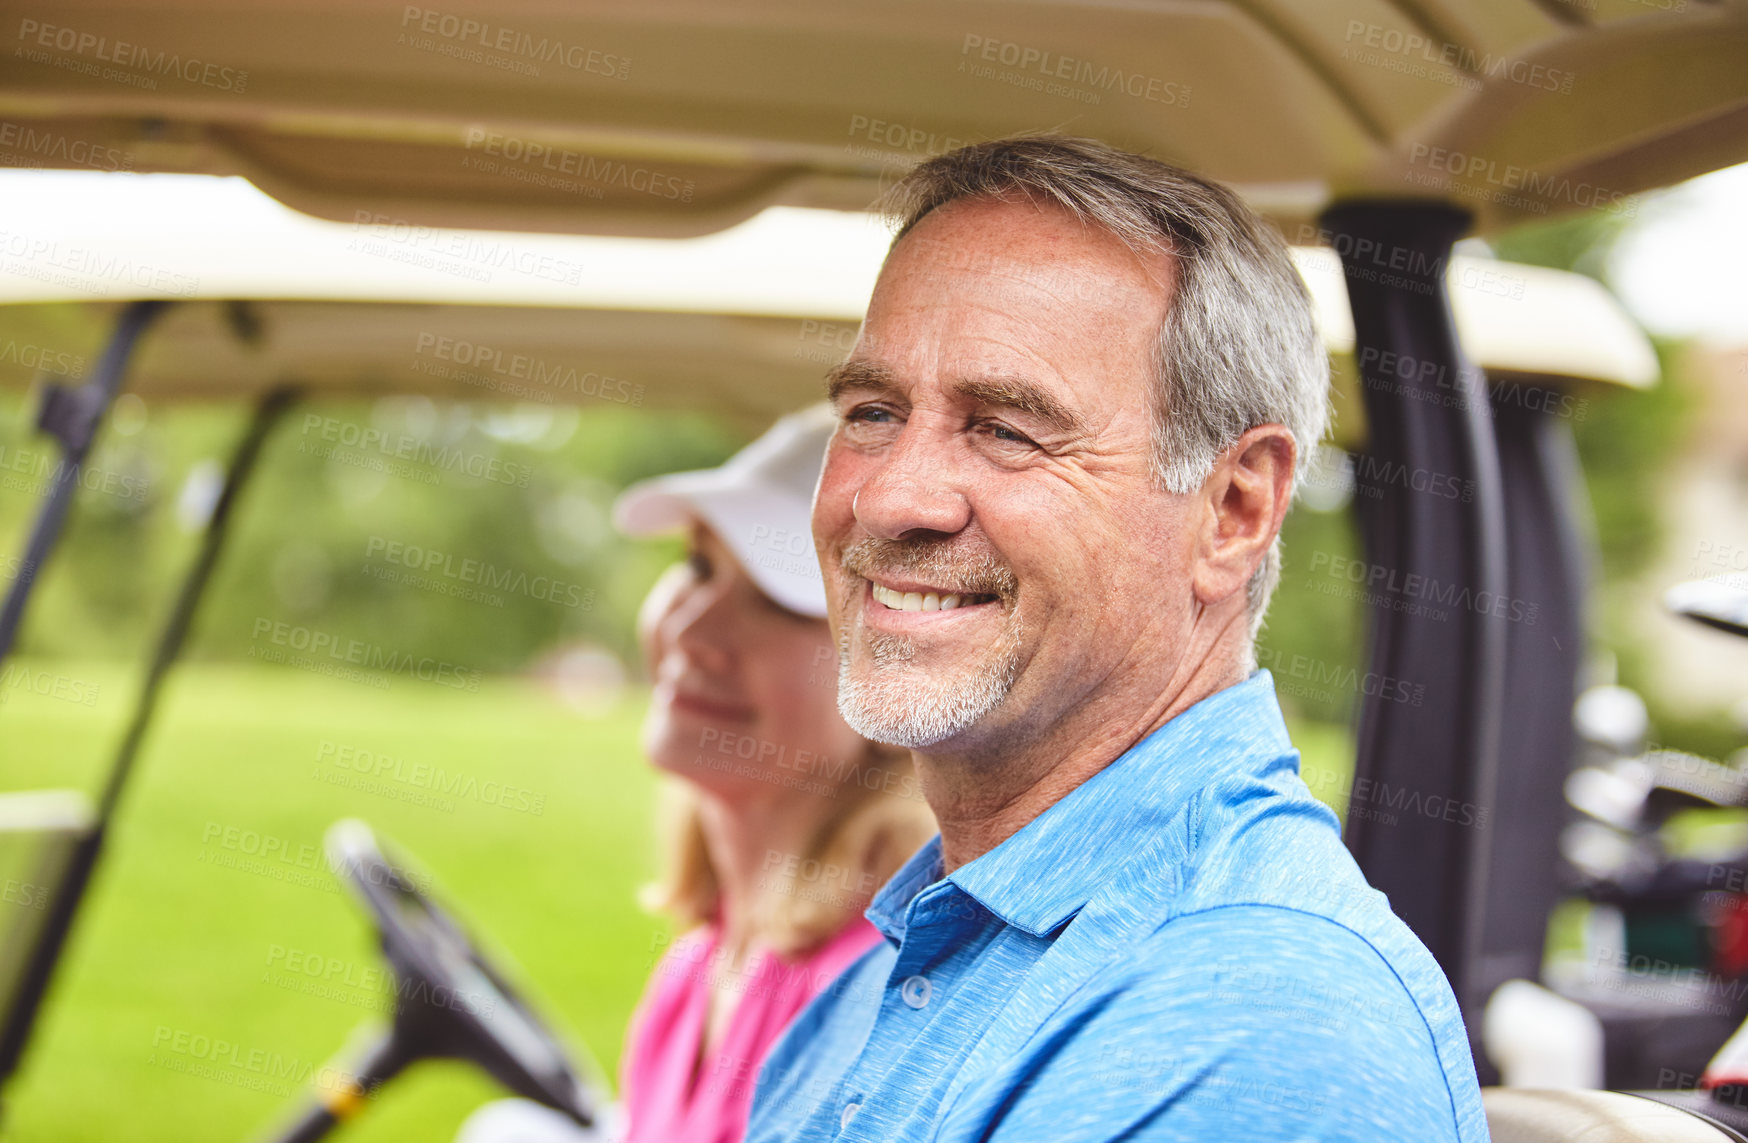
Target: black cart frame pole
<point>72,416</point>
<point>1432,519</point>
<point>268,412</point>
<point>64,903</point>
<point>1548,568</point>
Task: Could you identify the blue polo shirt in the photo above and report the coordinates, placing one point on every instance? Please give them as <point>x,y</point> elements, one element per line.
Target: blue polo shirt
<point>1180,948</point>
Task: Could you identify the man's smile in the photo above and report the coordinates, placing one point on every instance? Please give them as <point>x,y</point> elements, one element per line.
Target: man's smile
<point>901,596</point>
<point>910,606</point>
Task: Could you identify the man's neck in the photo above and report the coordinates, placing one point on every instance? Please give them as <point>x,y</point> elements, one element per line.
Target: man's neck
<point>986,795</point>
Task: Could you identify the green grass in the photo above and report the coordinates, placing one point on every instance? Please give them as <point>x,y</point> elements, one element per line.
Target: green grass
<point>170,942</point>
<point>1325,760</point>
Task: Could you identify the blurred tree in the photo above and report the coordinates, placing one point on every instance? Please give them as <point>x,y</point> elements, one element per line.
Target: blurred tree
<point>1578,242</point>
<point>490,544</point>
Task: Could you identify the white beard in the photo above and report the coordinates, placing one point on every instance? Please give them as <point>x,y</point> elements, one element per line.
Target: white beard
<point>894,702</point>
<point>891,699</point>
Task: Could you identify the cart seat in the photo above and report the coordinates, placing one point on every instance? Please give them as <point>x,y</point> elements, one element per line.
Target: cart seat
<point>1532,1115</point>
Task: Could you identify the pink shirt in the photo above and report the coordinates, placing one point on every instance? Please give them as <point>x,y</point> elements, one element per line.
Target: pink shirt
<point>669,1094</point>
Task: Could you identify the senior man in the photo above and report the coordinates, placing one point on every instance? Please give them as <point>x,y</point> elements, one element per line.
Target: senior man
<point>1047,520</point>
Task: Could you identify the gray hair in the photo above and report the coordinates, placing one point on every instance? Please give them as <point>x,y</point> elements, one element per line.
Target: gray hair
<point>1237,348</point>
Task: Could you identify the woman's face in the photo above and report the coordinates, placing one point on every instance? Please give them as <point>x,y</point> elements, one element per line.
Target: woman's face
<point>745,691</point>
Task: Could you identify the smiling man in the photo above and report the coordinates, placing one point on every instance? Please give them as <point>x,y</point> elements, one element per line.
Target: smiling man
<point>1068,435</point>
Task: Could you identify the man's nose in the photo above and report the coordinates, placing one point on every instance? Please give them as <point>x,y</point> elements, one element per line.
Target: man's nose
<point>916,486</point>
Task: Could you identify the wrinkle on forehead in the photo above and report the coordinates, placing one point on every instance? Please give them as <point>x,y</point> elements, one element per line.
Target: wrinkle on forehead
<point>993,234</point>
<point>984,289</point>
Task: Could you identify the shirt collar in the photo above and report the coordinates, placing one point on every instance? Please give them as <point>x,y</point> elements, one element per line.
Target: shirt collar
<point>887,909</point>
<point>1042,875</point>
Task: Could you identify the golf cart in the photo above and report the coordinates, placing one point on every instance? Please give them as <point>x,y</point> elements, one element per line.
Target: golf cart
<point>1382,132</point>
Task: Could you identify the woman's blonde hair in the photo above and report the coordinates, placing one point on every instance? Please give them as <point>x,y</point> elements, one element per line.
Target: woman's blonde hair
<point>880,821</point>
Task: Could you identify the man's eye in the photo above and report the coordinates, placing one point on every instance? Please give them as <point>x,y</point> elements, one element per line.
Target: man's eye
<point>869,414</point>
<point>1006,434</point>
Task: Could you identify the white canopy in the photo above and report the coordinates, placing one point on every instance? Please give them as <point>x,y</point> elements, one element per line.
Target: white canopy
<point>800,276</point>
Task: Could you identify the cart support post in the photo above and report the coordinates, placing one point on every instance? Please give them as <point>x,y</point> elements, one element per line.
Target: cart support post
<point>1422,804</point>
<point>64,902</point>
<point>1548,565</point>
<point>72,417</point>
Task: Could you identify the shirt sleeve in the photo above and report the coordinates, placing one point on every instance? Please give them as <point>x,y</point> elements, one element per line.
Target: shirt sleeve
<point>1242,1022</point>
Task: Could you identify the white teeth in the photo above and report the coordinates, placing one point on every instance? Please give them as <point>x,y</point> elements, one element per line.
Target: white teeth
<point>916,601</point>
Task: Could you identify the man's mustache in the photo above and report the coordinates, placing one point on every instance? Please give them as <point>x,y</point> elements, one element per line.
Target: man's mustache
<point>943,564</point>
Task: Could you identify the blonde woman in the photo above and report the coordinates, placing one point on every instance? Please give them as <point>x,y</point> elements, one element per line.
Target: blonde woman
<point>780,822</point>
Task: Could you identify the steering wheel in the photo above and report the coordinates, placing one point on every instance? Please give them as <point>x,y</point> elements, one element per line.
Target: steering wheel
<point>450,1003</point>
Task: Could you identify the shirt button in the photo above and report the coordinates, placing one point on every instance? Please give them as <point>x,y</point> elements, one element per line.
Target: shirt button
<point>850,1110</point>
<point>915,991</point>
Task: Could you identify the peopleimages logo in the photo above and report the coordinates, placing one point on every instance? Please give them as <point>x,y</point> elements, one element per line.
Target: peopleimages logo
<point>18,679</point>
<point>46,147</point>
<point>315,646</point>
<point>28,356</point>
<point>1340,676</point>
<point>491,364</point>
<point>456,252</point>
<point>31,470</point>
<point>90,269</point>
<point>1507,69</point>
<point>480,573</point>
<point>903,140</point>
<point>1538,186</point>
<point>1373,474</point>
<point>255,1068</point>
<point>594,170</point>
<point>391,447</point>
<point>1037,68</point>
<point>1388,582</point>
<point>469,39</point>
<point>376,766</point>
<point>76,42</point>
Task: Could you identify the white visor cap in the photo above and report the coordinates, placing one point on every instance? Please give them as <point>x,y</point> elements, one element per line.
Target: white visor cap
<point>759,502</point>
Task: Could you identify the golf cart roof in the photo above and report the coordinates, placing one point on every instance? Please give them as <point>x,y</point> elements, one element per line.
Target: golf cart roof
<point>680,117</point>
<point>745,322</point>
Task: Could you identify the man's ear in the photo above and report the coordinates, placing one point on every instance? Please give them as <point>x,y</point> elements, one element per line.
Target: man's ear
<point>1244,500</point>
